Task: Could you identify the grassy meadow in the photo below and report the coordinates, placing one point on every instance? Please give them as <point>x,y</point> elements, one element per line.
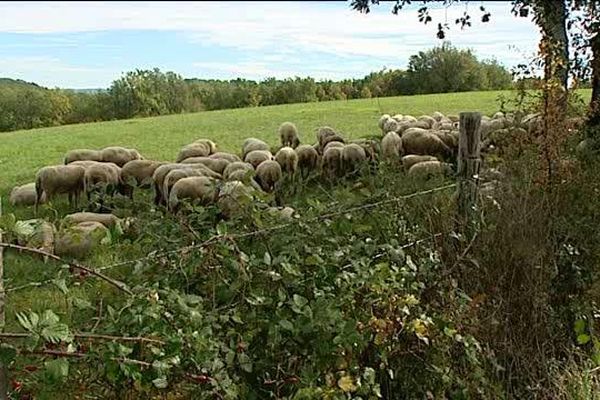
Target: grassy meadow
<point>23,152</point>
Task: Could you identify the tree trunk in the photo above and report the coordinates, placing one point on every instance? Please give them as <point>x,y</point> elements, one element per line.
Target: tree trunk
<point>594,115</point>
<point>552,18</point>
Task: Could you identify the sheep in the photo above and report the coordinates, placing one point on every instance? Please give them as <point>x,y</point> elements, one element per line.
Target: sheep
<point>212,147</point>
<point>59,179</point>
<point>450,138</point>
<point>331,163</point>
<point>194,188</point>
<point>107,175</point>
<point>242,176</point>
<point>426,169</point>
<point>489,126</point>
<point>78,240</point>
<point>398,117</point>
<point>288,133</point>
<point>420,141</point>
<point>85,163</point>
<point>268,174</point>
<point>382,120</point>
<point>445,125</point>
<point>331,138</point>
<point>429,120</point>
<point>287,159</point>
<point>256,157</point>
<point>438,116</point>
<point>498,115</point>
<point>234,198</point>
<point>252,144</point>
<point>138,173</point>
<point>333,143</point>
<point>82,155</point>
<point>108,220</point>
<point>225,156</point>
<point>218,165</point>
<point>237,166</point>
<point>25,195</point>
<point>119,155</point>
<point>391,125</point>
<point>308,159</point>
<point>161,172</point>
<point>193,150</point>
<point>453,118</point>
<point>178,173</point>
<point>409,118</point>
<point>353,156</point>
<point>323,133</point>
<point>412,159</point>
<point>391,146</point>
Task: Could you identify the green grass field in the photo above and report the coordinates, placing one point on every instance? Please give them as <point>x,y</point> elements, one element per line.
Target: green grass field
<point>23,152</point>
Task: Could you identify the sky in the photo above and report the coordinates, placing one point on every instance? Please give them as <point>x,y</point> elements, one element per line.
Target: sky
<point>90,44</point>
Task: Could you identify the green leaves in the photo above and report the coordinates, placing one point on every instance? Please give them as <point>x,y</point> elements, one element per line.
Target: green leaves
<point>56,371</point>
<point>48,327</point>
<point>7,353</point>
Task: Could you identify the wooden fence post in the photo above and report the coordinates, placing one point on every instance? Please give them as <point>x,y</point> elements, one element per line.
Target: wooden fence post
<point>3,368</point>
<point>469,162</point>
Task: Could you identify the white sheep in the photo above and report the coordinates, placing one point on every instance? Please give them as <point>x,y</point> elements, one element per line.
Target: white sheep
<point>193,150</point>
<point>220,155</point>
<point>106,175</point>
<point>138,173</point>
<point>119,155</point>
<point>212,147</point>
<point>108,220</point>
<point>353,156</point>
<point>391,146</point>
<point>331,163</point>
<point>268,174</point>
<point>25,195</point>
<point>288,133</point>
<point>287,159</point>
<point>252,144</point>
<point>427,169</point>
<point>59,179</point>
<point>83,155</point>
<point>235,198</point>
<point>308,159</point>
<point>217,165</point>
<point>421,141</point>
<point>412,159</point>
<point>197,189</point>
<point>78,240</point>
<point>256,157</point>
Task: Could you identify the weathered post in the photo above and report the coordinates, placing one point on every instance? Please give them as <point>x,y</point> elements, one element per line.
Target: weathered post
<point>3,368</point>
<point>469,162</point>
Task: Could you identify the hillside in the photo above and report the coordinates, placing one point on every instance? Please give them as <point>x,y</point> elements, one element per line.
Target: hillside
<point>23,152</point>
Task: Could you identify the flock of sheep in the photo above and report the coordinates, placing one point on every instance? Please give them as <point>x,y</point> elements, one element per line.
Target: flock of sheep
<point>203,174</point>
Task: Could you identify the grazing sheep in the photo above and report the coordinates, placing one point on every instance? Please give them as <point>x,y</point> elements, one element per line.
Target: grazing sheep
<point>382,120</point>
<point>241,175</point>
<point>237,166</point>
<point>421,141</point>
<point>83,155</point>
<point>371,147</point>
<point>193,150</point>
<point>489,126</point>
<point>398,117</point>
<point>429,120</point>
<point>331,163</point>
<point>106,175</point>
<point>197,189</point>
<point>161,172</point>
<point>59,179</point>
<point>288,133</point>
<point>85,163</point>
<point>287,159</point>
<point>179,173</point>
<point>323,133</point>
<point>409,118</point>
<point>454,118</point>
<point>256,157</point>
<point>225,156</point>
<point>333,143</point>
<point>268,174</point>
<point>498,115</point>
<point>391,125</point>
<point>25,195</point>
<point>78,240</point>
<point>444,125</point>
<point>119,155</point>
<point>138,173</point>
<point>235,198</point>
<point>308,159</point>
<point>331,138</point>
<point>438,116</point>
<point>427,169</point>
<point>108,220</point>
<point>391,146</point>
<point>216,164</point>
<point>212,147</point>
<point>252,144</point>
<point>412,159</point>
<point>353,156</point>
<point>450,138</point>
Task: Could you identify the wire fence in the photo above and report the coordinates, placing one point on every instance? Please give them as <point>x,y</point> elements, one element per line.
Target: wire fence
<point>154,255</point>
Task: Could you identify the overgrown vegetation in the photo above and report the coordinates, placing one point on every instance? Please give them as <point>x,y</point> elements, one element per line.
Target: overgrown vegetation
<point>143,93</point>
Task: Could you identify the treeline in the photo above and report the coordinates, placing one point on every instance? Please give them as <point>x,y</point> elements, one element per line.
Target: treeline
<point>143,93</point>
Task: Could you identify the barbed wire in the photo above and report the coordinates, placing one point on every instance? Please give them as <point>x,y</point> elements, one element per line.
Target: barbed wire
<point>154,255</point>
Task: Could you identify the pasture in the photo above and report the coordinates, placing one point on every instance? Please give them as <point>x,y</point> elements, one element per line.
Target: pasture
<point>23,152</point>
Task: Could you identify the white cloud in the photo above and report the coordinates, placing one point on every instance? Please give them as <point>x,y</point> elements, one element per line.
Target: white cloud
<point>273,38</point>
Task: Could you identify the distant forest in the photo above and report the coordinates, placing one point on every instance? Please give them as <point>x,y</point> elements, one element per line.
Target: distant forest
<point>143,93</point>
